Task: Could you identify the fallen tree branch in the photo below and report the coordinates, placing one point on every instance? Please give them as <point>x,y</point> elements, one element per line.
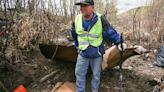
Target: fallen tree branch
<point>48,76</point>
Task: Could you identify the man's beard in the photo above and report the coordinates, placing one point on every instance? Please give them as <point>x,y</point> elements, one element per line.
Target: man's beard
<point>85,15</point>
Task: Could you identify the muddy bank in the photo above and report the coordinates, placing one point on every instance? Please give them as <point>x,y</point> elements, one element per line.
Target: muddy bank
<point>138,75</point>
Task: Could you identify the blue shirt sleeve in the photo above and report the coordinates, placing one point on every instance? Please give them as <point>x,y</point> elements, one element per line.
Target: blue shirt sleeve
<point>112,35</point>
<point>74,35</point>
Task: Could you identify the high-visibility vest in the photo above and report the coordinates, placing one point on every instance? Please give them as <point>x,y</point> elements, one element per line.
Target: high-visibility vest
<point>91,37</point>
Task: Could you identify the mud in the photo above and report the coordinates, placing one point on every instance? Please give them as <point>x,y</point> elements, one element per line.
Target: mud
<point>139,75</point>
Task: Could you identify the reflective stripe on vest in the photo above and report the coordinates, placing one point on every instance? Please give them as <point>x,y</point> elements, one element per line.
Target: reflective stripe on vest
<point>91,37</point>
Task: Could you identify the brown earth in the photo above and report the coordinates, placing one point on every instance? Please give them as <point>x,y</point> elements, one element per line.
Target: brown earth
<point>139,75</point>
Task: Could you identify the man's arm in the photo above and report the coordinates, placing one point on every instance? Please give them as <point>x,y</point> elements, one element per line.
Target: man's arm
<point>74,35</point>
<point>109,32</point>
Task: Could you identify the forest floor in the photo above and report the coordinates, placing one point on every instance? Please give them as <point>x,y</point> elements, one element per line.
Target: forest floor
<point>139,75</point>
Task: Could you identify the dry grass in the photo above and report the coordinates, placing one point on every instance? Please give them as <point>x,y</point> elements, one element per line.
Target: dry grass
<point>31,30</point>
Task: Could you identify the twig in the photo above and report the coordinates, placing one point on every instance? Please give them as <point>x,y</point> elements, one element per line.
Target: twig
<point>54,53</point>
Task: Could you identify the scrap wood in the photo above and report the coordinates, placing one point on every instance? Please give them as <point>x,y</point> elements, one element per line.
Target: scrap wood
<point>57,86</point>
<point>64,87</point>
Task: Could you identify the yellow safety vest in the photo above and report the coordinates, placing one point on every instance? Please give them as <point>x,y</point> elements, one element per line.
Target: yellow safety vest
<point>93,37</point>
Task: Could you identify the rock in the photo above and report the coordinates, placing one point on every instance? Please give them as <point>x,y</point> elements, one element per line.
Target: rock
<point>162,87</point>
<point>156,89</point>
<point>162,79</point>
<point>155,51</point>
<point>140,49</point>
<point>130,67</point>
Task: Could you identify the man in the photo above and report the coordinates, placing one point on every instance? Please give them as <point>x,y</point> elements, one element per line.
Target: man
<point>88,31</point>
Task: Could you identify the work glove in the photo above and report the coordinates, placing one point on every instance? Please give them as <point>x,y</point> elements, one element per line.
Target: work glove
<point>124,46</point>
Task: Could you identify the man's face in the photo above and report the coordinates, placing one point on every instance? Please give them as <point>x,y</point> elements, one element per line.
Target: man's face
<point>86,10</point>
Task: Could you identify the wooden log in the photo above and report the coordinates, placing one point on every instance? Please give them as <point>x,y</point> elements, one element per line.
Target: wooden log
<point>111,57</point>
<point>64,53</point>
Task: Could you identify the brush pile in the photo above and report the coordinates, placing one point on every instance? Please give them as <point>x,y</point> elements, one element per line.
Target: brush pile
<point>35,29</point>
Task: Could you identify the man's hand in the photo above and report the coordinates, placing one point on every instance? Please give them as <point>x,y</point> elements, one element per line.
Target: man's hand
<point>124,47</point>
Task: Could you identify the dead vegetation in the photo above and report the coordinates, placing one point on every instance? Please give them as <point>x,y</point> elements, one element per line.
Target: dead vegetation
<point>35,22</point>
<point>144,25</point>
<point>32,30</point>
